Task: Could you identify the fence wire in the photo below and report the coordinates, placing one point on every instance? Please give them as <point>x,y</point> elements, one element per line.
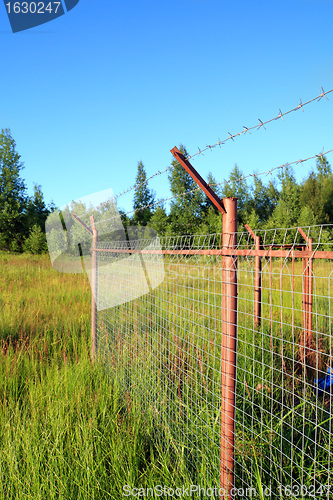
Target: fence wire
<point>242,178</point>
<point>166,347</point>
<point>232,137</point>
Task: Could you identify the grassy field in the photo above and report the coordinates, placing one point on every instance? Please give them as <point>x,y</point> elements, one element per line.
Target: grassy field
<point>166,347</point>
<point>66,431</point>
<point>150,415</point>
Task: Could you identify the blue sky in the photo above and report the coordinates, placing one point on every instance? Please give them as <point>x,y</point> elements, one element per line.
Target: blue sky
<point>109,84</point>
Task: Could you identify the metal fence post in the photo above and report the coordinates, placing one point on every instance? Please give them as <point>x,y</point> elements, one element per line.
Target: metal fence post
<point>94,290</point>
<point>228,208</point>
<point>229,346</point>
<point>310,290</point>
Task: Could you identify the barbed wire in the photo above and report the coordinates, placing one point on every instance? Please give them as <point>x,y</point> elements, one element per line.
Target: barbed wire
<point>135,186</point>
<point>217,184</point>
<point>261,123</point>
<point>231,137</point>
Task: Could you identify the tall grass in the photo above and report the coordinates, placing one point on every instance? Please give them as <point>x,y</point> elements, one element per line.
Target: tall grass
<point>167,349</point>
<point>148,412</point>
<point>67,430</point>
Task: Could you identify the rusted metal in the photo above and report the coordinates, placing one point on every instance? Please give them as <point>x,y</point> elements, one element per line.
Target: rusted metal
<point>82,223</point>
<point>228,208</point>
<point>281,302</point>
<point>270,303</point>
<point>303,234</point>
<point>303,292</point>
<point>94,284</point>
<point>198,179</point>
<point>310,288</point>
<point>252,233</point>
<point>229,348</point>
<point>305,286</point>
<point>292,298</point>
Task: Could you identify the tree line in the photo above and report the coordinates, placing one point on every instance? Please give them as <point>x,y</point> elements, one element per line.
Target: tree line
<point>22,217</point>
<point>281,202</point>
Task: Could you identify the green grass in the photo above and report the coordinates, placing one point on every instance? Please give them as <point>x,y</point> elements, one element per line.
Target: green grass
<point>167,349</point>
<point>150,415</point>
<point>67,429</point>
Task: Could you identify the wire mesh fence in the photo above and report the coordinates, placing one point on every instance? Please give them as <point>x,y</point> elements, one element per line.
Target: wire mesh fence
<point>169,347</point>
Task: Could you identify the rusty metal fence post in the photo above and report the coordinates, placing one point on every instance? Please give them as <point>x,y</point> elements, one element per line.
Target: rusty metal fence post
<point>310,288</point>
<point>229,347</point>
<point>228,208</point>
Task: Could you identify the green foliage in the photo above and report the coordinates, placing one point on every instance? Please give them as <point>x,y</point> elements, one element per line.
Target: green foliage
<point>36,241</point>
<point>216,187</point>
<point>3,240</point>
<point>282,203</point>
<point>126,221</point>
<point>185,211</point>
<point>211,221</point>
<point>288,208</point>
<point>253,220</point>
<point>206,203</point>
<point>68,429</point>
<point>317,193</point>
<point>236,187</point>
<point>142,197</point>
<point>159,220</point>
<point>18,213</point>
<point>37,211</point>
<point>13,198</point>
<point>265,199</point>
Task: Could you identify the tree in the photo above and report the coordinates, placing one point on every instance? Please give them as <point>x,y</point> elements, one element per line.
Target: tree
<point>317,193</point>
<point>265,199</point>
<point>36,241</point>
<point>206,204</point>
<point>142,197</point>
<point>37,211</point>
<point>13,198</point>
<point>288,209</point>
<point>236,187</point>
<point>186,209</point>
<point>216,187</point>
<point>211,221</point>
<point>159,220</point>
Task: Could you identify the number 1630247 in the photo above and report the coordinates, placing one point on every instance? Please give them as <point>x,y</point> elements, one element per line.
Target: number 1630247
<point>301,491</point>
<point>33,7</point>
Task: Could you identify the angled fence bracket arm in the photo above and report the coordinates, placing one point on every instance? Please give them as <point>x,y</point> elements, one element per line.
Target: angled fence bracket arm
<point>198,179</point>
<point>82,223</point>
